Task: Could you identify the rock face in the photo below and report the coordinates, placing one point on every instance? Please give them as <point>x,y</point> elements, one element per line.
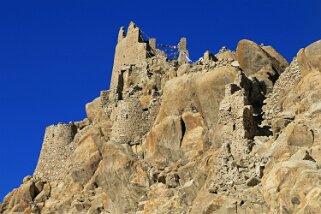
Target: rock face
<point>261,62</point>
<point>309,58</point>
<point>234,132</point>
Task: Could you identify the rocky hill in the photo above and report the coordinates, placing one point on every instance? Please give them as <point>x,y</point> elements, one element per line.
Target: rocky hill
<point>235,132</point>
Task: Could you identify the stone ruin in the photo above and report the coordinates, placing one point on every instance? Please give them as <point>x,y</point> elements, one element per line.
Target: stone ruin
<point>132,49</point>
<point>132,113</point>
<point>56,149</point>
<point>238,128</point>
<point>234,132</point>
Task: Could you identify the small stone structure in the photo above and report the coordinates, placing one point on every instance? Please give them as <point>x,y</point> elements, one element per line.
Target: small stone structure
<point>238,128</point>
<point>56,148</point>
<point>236,113</point>
<point>131,122</point>
<point>183,52</point>
<point>208,56</point>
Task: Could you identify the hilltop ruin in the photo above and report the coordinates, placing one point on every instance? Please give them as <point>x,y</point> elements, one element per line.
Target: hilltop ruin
<point>234,132</point>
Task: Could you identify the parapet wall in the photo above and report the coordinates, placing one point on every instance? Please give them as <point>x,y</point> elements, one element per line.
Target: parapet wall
<point>56,148</point>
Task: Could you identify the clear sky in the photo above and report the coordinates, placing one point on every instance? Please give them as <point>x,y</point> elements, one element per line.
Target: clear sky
<point>56,55</point>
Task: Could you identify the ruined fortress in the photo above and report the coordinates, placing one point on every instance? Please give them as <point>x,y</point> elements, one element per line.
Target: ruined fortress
<point>133,120</point>
<point>234,132</point>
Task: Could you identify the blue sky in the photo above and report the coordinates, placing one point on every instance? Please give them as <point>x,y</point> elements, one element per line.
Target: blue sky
<point>56,56</point>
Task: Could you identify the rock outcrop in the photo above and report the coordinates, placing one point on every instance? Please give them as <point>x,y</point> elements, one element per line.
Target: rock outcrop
<point>234,132</point>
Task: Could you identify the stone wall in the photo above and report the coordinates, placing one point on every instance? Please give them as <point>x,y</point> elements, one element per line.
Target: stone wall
<point>236,113</point>
<point>289,78</point>
<point>238,168</point>
<point>131,49</point>
<point>104,97</point>
<point>131,122</point>
<point>57,147</point>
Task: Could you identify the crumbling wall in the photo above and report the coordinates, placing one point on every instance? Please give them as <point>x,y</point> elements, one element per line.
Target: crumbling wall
<point>237,168</point>
<point>104,97</point>
<point>131,122</point>
<point>236,114</point>
<point>183,52</point>
<point>57,147</point>
<point>130,49</point>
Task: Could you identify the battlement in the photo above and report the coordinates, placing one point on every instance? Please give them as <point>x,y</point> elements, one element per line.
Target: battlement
<point>132,49</point>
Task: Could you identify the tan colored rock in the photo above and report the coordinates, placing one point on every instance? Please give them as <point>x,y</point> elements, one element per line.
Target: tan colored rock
<point>257,62</point>
<point>225,54</point>
<point>183,69</point>
<point>278,124</point>
<point>162,200</point>
<point>300,135</point>
<point>119,172</point>
<point>293,186</point>
<point>195,139</point>
<point>83,169</point>
<point>145,101</point>
<point>292,138</point>
<point>252,57</point>
<point>273,53</point>
<point>208,56</point>
<point>94,110</point>
<point>21,199</point>
<point>198,92</point>
<point>235,64</point>
<point>44,194</point>
<point>309,58</point>
<point>164,141</point>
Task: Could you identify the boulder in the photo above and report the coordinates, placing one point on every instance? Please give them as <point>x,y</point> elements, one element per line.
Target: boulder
<point>195,137</point>
<point>293,187</point>
<point>309,58</point>
<point>183,69</point>
<point>257,62</point>
<point>94,110</point>
<point>276,55</point>
<point>199,92</point>
<point>21,199</point>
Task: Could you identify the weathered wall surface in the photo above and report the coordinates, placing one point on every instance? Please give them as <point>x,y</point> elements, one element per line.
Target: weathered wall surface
<point>57,147</point>
<point>130,50</point>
